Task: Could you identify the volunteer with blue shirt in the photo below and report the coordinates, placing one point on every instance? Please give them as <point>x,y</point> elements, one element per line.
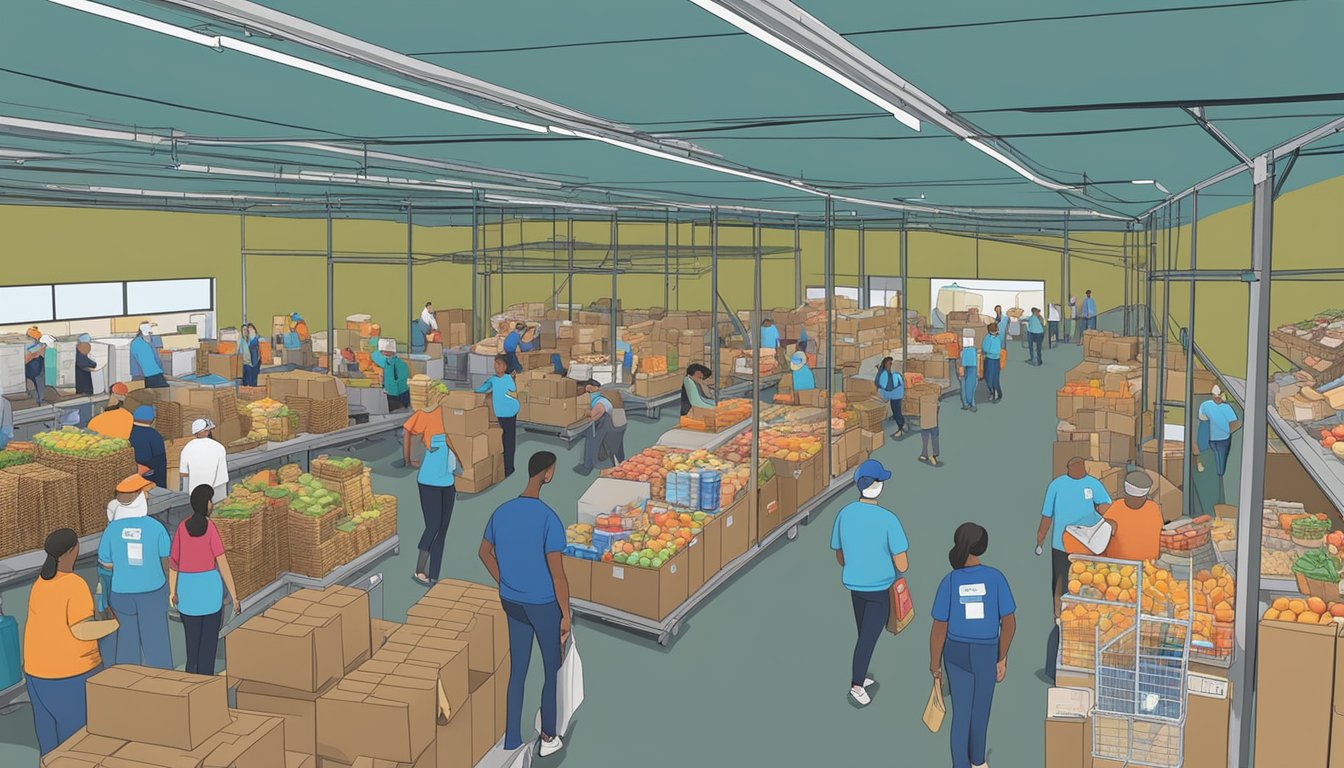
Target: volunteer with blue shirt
<point>602,431</point>
<point>1222,421</point>
<point>1073,498</point>
<point>396,375</point>
<point>1035,336</point>
<point>523,550</point>
<point>968,363</point>
<point>1089,312</point>
<point>504,400</point>
<point>251,355</point>
<point>891,387</point>
<point>992,348</point>
<point>973,626</point>
<point>515,343</point>
<point>437,495</point>
<point>769,334</point>
<point>802,339</point>
<point>135,548</point>
<point>803,380</point>
<point>145,356</point>
<point>151,451</point>
<point>870,546</point>
<point>35,363</point>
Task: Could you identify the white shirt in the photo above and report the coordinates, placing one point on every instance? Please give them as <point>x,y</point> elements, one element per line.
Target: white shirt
<point>1053,314</point>
<point>203,461</point>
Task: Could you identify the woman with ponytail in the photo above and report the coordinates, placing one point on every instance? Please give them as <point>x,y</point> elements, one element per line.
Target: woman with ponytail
<point>60,643</point>
<point>198,575</point>
<point>973,625</point>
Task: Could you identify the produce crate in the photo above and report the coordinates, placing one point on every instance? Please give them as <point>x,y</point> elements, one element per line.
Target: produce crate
<point>12,533</point>
<point>307,532</point>
<point>351,491</point>
<point>168,420</point>
<point>1326,590</point>
<point>385,524</point>
<point>46,501</point>
<point>302,407</point>
<point>252,394</point>
<point>328,415</point>
<point>94,481</point>
<point>324,468</point>
<point>275,537</point>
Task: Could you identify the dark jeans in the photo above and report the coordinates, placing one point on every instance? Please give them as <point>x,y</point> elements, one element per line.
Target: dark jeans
<point>157,381</point>
<point>525,623</point>
<point>992,377</point>
<point>1221,449</point>
<point>509,425</point>
<point>436,504</point>
<point>514,365</point>
<point>925,435</point>
<point>39,388</point>
<point>1034,341</point>
<point>397,402</point>
<point>1059,572</point>
<point>897,415</point>
<point>58,708</point>
<point>971,670</point>
<point>202,641</point>
<point>250,376</point>
<point>1052,330</point>
<point>871,611</point>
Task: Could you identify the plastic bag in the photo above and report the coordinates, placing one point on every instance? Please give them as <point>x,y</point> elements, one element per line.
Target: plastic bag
<point>569,689</point>
<point>935,709</point>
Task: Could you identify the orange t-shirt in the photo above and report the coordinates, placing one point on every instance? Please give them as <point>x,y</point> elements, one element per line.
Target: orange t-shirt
<point>114,423</point>
<point>1137,531</point>
<point>427,424</point>
<point>50,650</point>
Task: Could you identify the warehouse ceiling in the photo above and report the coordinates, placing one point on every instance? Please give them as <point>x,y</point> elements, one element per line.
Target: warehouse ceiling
<point>1090,95</point>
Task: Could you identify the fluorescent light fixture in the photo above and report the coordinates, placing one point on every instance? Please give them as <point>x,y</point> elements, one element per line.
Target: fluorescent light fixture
<point>163,193</point>
<point>19,155</point>
<point>328,177</point>
<point>228,43</point>
<point>798,54</point>
<point>1154,183</point>
<point>22,126</point>
<point>1022,170</point>
<point>561,131</point>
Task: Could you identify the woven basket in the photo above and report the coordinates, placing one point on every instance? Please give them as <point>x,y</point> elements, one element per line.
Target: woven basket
<point>385,524</point>
<point>168,420</point>
<point>351,491</point>
<point>307,531</point>
<point>252,394</point>
<point>322,468</point>
<point>243,536</point>
<point>226,404</point>
<point>366,487</point>
<point>46,502</point>
<point>95,482</point>
<point>302,407</point>
<point>328,415</point>
<point>11,540</point>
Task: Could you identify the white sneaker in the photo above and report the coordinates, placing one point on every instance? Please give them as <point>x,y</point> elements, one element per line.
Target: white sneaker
<point>982,765</point>
<point>868,682</point>
<point>548,748</point>
<point>859,695</point>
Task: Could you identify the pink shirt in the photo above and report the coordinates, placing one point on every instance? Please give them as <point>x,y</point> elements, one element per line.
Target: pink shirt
<point>195,554</point>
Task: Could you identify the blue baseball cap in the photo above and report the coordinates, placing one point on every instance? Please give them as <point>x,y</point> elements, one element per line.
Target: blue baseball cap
<point>295,316</point>
<point>869,472</point>
<point>143,413</point>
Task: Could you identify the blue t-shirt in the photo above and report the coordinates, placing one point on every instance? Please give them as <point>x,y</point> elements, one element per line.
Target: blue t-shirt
<point>1072,502</point>
<point>968,359</point>
<point>439,464</point>
<point>1089,307</point>
<point>972,601</point>
<point>144,356</point>
<point>870,536</point>
<point>523,531</point>
<point>1034,324</point>
<point>419,332</point>
<point>992,346</point>
<point>803,380</point>
<point>499,388</point>
<point>134,547</point>
<point>890,385</point>
<point>514,343</point>
<point>769,337</point>
<point>598,397</point>
<point>1220,417</point>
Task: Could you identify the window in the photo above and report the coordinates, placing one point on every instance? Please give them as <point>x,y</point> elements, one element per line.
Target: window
<point>154,297</point>
<point>818,292</point>
<point>24,304</point>
<point>884,291</point>
<point>80,300</point>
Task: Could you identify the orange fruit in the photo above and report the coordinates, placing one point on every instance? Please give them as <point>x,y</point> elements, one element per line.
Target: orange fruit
<point>1074,586</point>
<point>1316,605</point>
<point>1271,615</point>
<point>1287,616</point>
<point>1113,594</point>
<point>1112,579</point>
<point>1337,609</point>
<point>1078,567</point>
<point>1297,606</point>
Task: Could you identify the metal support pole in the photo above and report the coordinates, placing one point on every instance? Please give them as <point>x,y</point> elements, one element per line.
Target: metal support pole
<point>555,290</point>
<point>475,263</point>
<point>569,245</point>
<point>667,258</point>
<point>1063,289</point>
<point>1160,397</point>
<point>1191,424</point>
<point>756,315</point>
<point>797,266</point>
<point>615,268</point>
<point>905,297</point>
<point>714,296</point>
<point>1124,261</point>
<point>863,271</point>
<point>411,314</point>
<point>678,247</point>
<point>331,300</point>
<point>1254,443</point>
<point>829,364</point>
<point>242,253</point>
<point>502,302</point>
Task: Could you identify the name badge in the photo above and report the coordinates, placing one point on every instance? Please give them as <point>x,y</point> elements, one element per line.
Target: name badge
<point>135,553</point>
<point>972,598</point>
<point>130,534</point>
<point>1087,494</point>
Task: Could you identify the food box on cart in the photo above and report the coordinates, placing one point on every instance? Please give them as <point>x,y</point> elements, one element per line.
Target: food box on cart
<point>647,592</point>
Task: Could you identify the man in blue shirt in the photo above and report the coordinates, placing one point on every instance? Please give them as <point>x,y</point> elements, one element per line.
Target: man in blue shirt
<point>504,400</point>
<point>1035,336</point>
<point>35,363</point>
<point>1089,311</point>
<point>602,430</point>
<point>968,363</point>
<point>145,356</point>
<point>870,546</point>
<point>1073,498</point>
<point>520,339</point>
<point>150,450</point>
<point>1222,421</point>
<point>135,548</point>
<point>522,549</point>
<point>992,348</point>
<point>803,380</point>
<point>769,334</point>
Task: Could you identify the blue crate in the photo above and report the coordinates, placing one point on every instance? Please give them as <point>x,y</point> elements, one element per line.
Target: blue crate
<point>602,540</point>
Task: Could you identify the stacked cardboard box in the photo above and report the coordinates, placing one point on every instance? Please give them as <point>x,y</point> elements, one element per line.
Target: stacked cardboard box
<point>1297,696</point>
<point>148,717</point>
<point>480,447</point>
<point>454,327</point>
<point>547,398</point>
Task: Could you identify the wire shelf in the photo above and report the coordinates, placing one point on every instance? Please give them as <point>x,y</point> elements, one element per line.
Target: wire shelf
<point>1138,742</point>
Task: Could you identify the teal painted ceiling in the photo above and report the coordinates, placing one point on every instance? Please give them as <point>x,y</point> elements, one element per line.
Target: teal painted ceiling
<point>671,69</point>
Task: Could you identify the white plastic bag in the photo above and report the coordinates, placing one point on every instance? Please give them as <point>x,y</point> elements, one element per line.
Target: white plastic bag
<point>569,689</point>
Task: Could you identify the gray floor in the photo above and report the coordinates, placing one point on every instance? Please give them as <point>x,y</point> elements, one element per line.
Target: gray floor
<point>759,674</point>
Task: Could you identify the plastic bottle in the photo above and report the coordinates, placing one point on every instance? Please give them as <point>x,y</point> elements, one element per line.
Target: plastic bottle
<point>710,485</point>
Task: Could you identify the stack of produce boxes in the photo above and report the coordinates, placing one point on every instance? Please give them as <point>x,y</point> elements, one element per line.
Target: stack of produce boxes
<point>547,398</point>
<point>1098,405</point>
<point>315,397</point>
<point>35,500</point>
<point>95,464</point>
<point>466,420</point>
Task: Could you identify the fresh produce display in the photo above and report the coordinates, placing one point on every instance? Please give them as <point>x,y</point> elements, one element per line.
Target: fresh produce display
<point>790,443</point>
<point>1309,531</point>
<point>668,532</point>
<point>726,414</point>
<point>1334,542</point>
<point>13,458</point>
<point>1317,565</point>
<point>1187,535</point>
<point>343,463</point>
<point>1309,610</point>
<point>237,508</point>
<point>313,498</point>
<point>73,441</point>
<point>1276,563</point>
<point>1332,437</point>
<point>579,533</point>
<point>261,411</point>
<point>653,465</point>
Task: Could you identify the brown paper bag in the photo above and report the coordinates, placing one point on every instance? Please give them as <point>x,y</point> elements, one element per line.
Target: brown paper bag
<point>935,709</point>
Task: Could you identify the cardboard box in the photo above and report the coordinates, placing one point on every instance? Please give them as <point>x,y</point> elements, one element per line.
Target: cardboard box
<point>652,594</point>
<point>1065,746</point>
<point>1064,452</point>
<point>695,565</point>
<point>1293,698</point>
<point>1208,709</point>
<point>298,710</point>
<point>441,649</point>
<point>711,548</point>
<point>304,654</point>
<point>225,366</point>
<point>734,526</point>
<point>799,483</point>
<point>844,452</point>
<point>482,706</point>
<point>163,707</point>
<point>478,635</point>
<point>379,631</point>
<point>452,742</point>
<point>393,717</point>
<point>351,608</point>
<point>768,516</point>
<point>463,421</point>
<point>579,574</point>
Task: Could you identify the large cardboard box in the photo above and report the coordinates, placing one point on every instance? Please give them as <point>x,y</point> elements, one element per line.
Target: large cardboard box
<point>734,526</point>
<point>711,545</point>
<point>844,452</point>
<point>392,717</point>
<point>645,592</point>
<point>433,647</point>
<point>579,574</point>
<point>1208,709</point>
<point>453,741</point>
<point>482,706</point>
<point>768,516</point>
<point>1293,698</point>
<point>163,707</point>
<point>463,421</point>
<point>304,654</point>
<point>225,366</point>
<point>695,565</point>
<point>349,605</point>
<point>799,483</point>
<point>430,612</point>
<point>1065,746</point>
<point>298,709</point>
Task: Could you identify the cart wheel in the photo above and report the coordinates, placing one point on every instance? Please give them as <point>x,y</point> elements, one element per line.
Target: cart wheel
<point>9,709</point>
<point>396,550</point>
<point>676,629</point>
<point>663,639</point>
<point>792,533</point>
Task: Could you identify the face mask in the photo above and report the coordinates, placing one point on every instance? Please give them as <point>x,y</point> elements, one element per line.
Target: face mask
<point>872,491</point>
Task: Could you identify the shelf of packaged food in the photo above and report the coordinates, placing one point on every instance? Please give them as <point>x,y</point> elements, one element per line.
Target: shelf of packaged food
<point>670,626</point>
<point>566,434</point>
<point>168,507</point>
<point>306,444</point>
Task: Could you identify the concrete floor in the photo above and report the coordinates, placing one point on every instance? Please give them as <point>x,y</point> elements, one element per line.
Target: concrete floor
<point>759,673</point>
